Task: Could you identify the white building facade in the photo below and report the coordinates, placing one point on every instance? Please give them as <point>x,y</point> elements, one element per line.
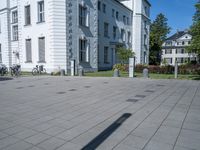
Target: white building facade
<point>140,28</point>
<point>54,32</point>
<point>174,49</point>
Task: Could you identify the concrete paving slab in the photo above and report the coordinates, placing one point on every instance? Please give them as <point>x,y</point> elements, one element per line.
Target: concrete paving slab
<point>45,113</point>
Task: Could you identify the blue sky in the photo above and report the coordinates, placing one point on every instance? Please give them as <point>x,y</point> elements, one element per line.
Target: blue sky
<point>178,12</point>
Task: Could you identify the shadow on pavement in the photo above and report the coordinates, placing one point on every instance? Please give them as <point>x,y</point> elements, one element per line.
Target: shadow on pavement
<point>5,78</point>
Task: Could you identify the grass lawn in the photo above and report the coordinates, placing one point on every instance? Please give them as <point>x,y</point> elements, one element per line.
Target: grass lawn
<point>152,76</point>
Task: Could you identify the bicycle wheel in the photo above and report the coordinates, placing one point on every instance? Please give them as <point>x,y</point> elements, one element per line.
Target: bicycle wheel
<point>34,71</point>
<point>17,72</point>
<point>44,71</point>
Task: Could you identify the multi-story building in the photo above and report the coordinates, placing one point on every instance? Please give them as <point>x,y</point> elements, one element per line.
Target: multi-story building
<point>54,32</point>
<point>140,28</point>
<point>174,49</point>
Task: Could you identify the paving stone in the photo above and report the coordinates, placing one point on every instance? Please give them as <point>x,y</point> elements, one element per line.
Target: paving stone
<point>51,144</point>
<point>70,146</point>
<point>19,146</point>
<point>25,134</point>
<point>153,145</point>
<point>53,131</point>
<point>8,141</point>
<point>36,139</point>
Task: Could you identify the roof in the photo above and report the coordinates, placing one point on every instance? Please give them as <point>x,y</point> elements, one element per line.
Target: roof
<point>177,35</point>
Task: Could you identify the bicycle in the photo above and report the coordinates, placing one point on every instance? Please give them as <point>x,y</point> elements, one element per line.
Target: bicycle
<point>38,70</point>
<point>3,70</point>
<point>15,70</point>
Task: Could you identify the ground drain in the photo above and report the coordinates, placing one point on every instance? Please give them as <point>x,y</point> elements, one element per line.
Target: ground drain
<point>140,96</point>
<point>160,85</point>
<point>98,140</point>
<point>87,86</point>
<point>105,82</point>
<point>46,84</point>
<point>19,87</point>
<point>149,91</point>
<point>5,78</point>
<point>132,100</point>
<point>31,86</point>
<point>60,92</point>
<point>72,90</point>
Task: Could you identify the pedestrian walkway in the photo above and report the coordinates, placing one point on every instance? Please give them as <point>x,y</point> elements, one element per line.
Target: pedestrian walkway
<point>82,113</point>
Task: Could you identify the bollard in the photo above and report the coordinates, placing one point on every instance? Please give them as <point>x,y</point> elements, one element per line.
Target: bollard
<point>81,71</point>
<point>62,72</point>
<point>176,70</point>
<point>116,73</point>
<point>145,73</point>
<point>72,67</point>
<point>131,67</point>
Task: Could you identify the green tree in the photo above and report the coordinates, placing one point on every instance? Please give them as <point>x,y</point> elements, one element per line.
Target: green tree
<point>124,54</point>
<point>158,33</point>
<point>195,31</point>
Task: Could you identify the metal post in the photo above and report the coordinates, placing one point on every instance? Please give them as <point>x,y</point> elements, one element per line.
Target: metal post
<point>176,70</point>
<point>72,67</point>
<point>131,67</point>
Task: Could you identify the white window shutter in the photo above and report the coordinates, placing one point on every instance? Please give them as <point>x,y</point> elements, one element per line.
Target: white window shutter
<point>88,17</point>
<point>88,51</point>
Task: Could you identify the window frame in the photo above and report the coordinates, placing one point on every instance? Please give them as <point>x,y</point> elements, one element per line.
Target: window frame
<point>41,11</point>
<point>106,54</point>
<point>15,16</point>
<point>83,16</point>
<point>27,16</point>
<point>15,35</point>
<point>1,58</point>
<point>27,50</point>
<point>83,50</point>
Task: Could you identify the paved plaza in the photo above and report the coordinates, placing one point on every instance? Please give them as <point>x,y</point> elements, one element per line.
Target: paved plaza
<point>81,113</point>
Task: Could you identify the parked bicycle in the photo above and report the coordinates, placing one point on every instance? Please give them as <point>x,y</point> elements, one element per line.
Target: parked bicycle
<point>38,70</point>
<point>3,70</point>
<point>15,70</point>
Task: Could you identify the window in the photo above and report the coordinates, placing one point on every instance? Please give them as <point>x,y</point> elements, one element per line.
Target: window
<point>117,15</point>
<point>129,37</point>
<point>183,43</point>
<point>82,15</point>
<point>41,11</point>
<point>27,15</point>
<point>28,50</point>
<point>83,50</point>
<point>114,32</point>
<point>123,35</point>
<point>104,8</point>
<point>189,42</point>
<point>124,19</point>
<point>168,60</point>
<point>106,25</point>
<point>168,43</point>
<point>0,54</point>
<point>99,5</point>
<point>145,24</point>
<point>113,13</point>
<point>0,25</point>
<point>106,55</point>
<point>14,17</point>
<point>145,40</point>
<point>15,33</point>
<point>180,51</point>
<point>128,21</point>
<point>168,51</point>
<point>41,46</point>
<point>179,60</point>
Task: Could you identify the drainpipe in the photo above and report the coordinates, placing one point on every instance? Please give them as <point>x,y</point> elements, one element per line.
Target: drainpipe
<point>9,35</point>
